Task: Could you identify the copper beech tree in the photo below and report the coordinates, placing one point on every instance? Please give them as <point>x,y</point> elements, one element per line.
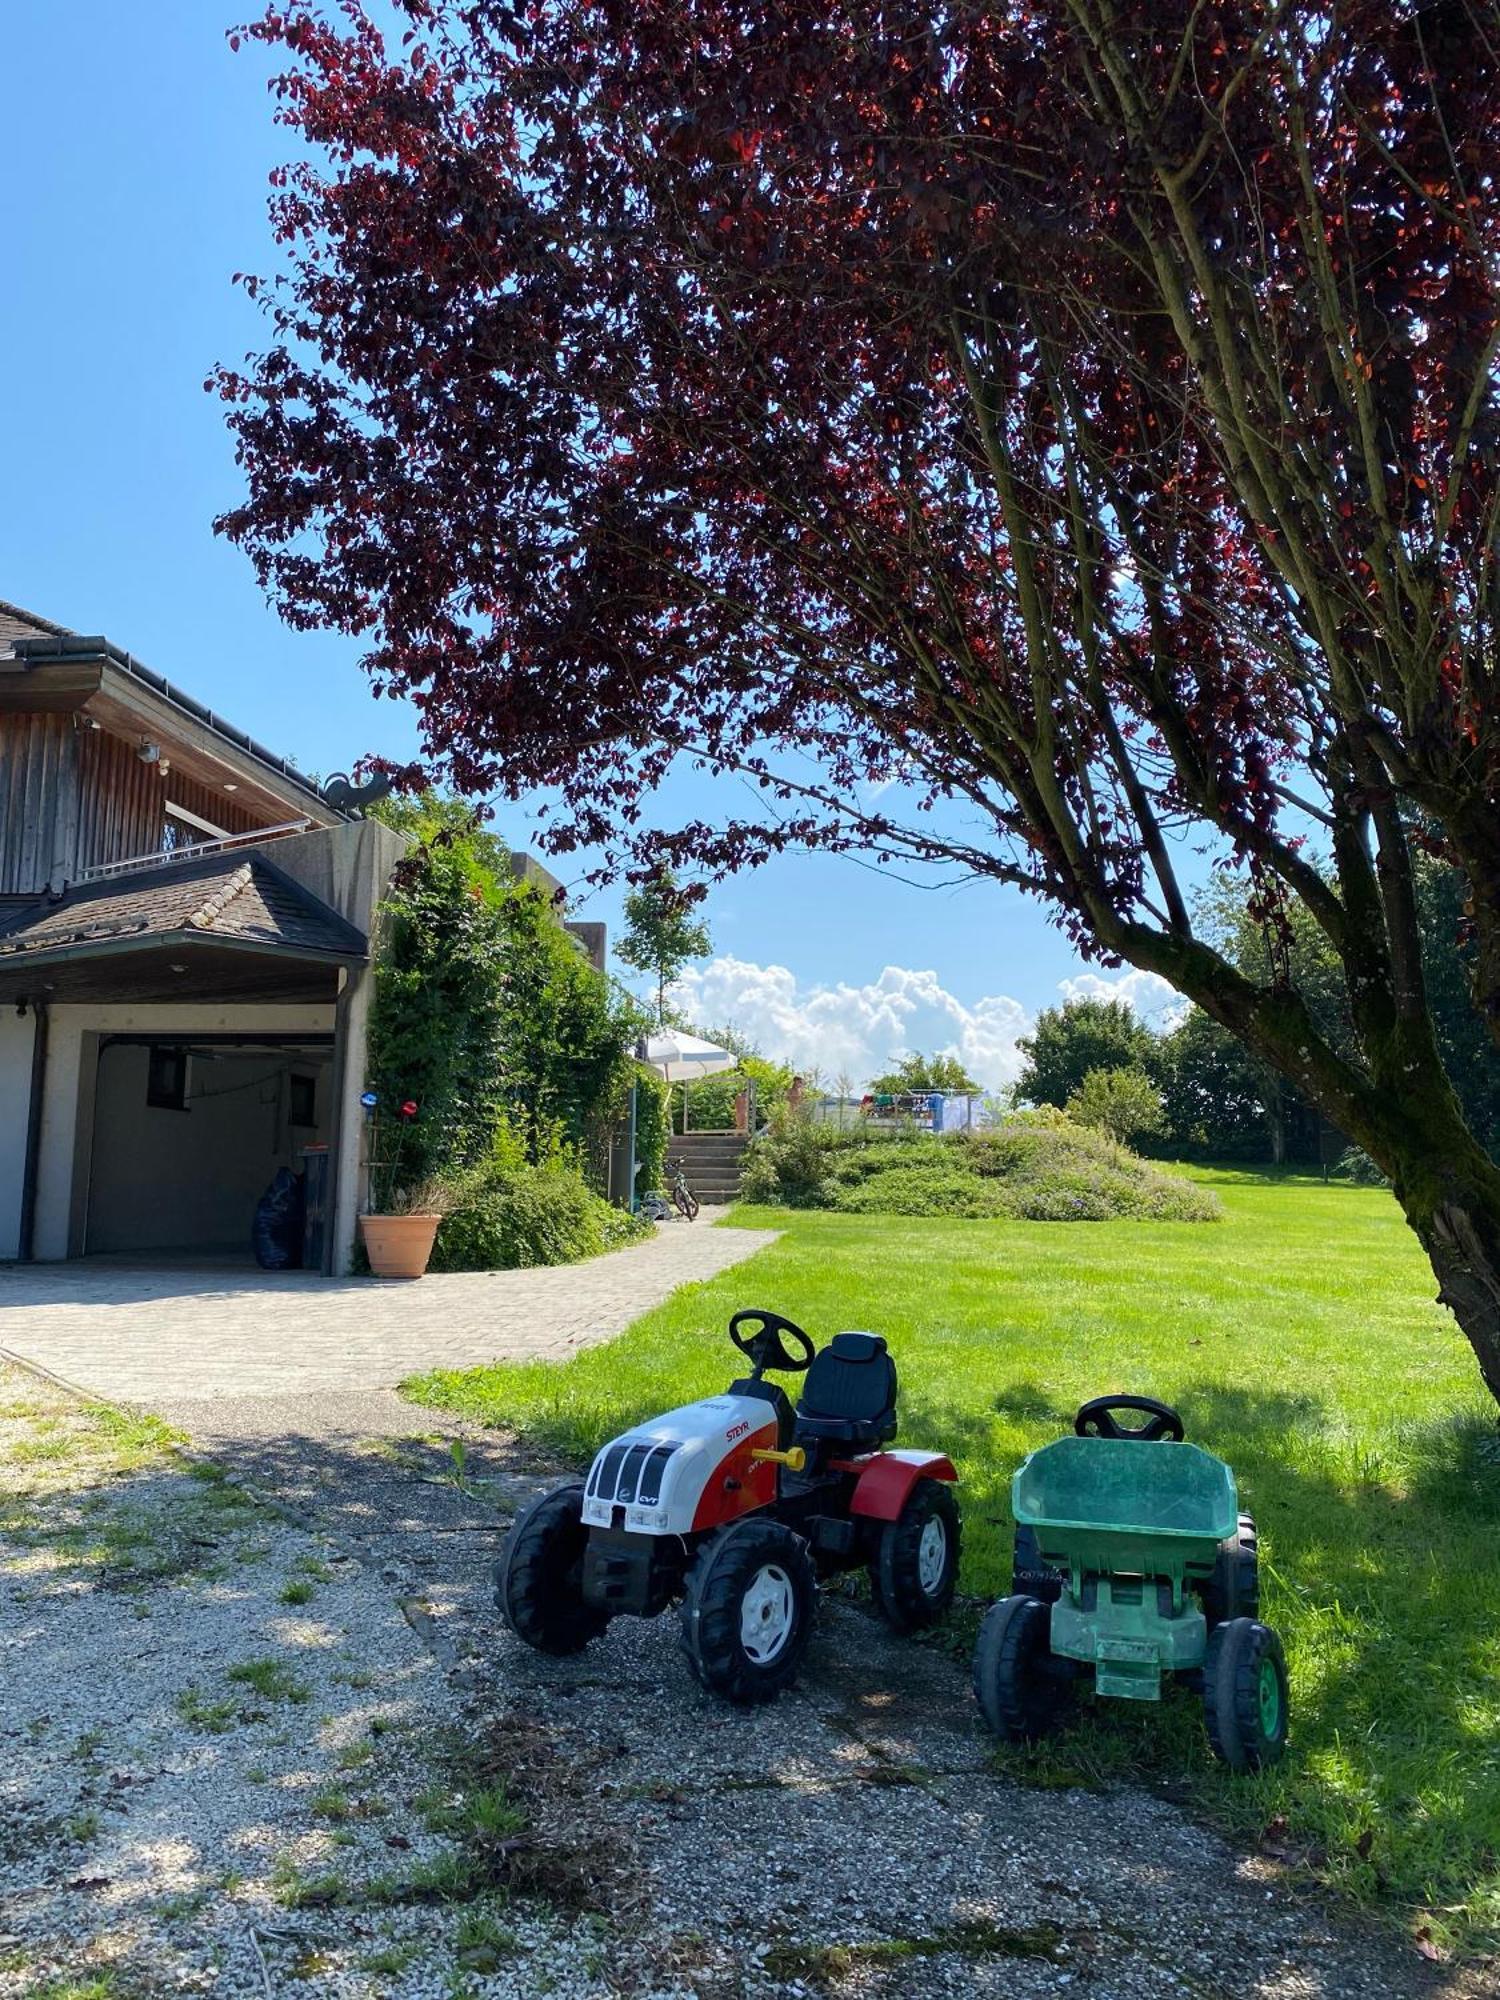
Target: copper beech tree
<point>1081,412</point>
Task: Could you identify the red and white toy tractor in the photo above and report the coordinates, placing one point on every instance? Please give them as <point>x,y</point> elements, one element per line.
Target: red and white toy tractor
<point>736,1506</point>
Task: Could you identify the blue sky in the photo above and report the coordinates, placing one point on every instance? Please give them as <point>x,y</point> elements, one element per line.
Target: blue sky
<point>134,186</point>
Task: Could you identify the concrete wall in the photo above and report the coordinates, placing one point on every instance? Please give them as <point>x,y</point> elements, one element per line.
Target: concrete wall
<point>346,867</point>
<point>190,1179</point>
<point>68,1120</point>
<point>16,1033</point>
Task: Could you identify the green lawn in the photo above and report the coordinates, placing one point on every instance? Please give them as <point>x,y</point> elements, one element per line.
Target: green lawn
<point>1300,1340</point>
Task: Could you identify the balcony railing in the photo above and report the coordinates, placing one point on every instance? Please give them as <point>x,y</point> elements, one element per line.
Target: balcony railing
<point>164,857</point>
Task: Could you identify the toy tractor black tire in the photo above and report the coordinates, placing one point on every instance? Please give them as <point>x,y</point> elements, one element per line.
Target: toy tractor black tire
<point>539,1579</point>
<point>1022,1691</point>
<point>915,1565</point>
<point>747,1611</point>
<point>1233,1591</point>
<point>1029,1575</point>
<point>1245,1694</point>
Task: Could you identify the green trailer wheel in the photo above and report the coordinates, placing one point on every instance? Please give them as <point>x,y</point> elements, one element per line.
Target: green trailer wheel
<point>1245,1694</point>
<point>1023,1690</point>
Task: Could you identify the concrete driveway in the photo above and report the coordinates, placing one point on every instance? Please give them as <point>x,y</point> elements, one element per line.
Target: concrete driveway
<point>168,1337</point>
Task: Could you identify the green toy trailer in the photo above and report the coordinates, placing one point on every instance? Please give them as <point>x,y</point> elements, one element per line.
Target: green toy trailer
<point>1136,1563</point>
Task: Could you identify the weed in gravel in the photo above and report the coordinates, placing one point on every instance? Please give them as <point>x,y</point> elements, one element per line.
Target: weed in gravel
<point>331,1803</point>
<point>391,1960</point>
<point>827,1967</point>
<point>85,1748</point>
<point>81,1828</point>
<point>482,1941</point>
<point>353,1755</point>
<point>272,1680</point>
<point>296,1890</point>
<point>100,1986</point>
<point>297,1590</point>
<point>186,1903</point>
<point>354,1677</point>
<point>212,1717</point>
<point>318,1570</point>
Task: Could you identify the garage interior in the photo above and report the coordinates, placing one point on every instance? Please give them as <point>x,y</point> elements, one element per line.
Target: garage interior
<point>188,1133</point>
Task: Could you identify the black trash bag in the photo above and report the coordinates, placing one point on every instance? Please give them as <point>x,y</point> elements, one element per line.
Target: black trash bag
<point>276,1234</point>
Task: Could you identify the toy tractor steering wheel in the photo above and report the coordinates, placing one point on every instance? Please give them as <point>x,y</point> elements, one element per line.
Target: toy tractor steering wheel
<point>766,1347</point>
<point>1096,1419</point>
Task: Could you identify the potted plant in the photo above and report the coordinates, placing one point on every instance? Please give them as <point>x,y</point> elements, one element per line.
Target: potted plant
<point>403,1208</point>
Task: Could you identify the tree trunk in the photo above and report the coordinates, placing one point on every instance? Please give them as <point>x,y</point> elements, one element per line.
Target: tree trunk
<point>1466,1257</point>
<point>1449,1191</point>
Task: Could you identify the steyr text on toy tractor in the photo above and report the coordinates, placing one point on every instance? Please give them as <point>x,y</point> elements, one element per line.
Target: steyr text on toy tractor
<point>734,1506</point>
<point>1131,1559</point>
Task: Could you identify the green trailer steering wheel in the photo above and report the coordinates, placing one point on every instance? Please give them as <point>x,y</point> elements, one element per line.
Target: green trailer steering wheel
<point>1096,1419</point>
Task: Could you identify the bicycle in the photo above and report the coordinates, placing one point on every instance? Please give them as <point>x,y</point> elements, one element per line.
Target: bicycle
<point>683,1198</point>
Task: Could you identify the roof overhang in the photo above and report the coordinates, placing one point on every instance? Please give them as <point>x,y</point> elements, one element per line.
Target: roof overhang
<point>178,967</point>
<point>73,672</point>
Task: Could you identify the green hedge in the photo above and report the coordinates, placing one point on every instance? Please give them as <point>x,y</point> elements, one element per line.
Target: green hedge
<point>516,1215</point>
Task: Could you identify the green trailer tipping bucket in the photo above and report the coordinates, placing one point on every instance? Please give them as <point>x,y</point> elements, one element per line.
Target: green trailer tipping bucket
<point>1130,1525</point>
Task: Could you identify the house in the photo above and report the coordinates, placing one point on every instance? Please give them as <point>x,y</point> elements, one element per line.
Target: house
<point>185,928</point>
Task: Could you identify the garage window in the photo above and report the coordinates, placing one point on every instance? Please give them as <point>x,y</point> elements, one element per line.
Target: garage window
<point>166,1079</point>
<point>302,1099</point>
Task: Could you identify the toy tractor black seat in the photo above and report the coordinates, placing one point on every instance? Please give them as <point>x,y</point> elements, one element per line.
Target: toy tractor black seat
<point>849,1395</point>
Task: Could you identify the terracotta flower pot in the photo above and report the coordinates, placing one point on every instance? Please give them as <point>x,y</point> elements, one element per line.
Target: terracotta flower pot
<point>398,1246</point>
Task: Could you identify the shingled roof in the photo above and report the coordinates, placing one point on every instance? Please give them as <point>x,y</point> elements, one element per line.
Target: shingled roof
<point>18,624</point>
<point>229,898</point>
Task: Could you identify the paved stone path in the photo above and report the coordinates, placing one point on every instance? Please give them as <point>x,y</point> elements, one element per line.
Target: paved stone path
<point>169,1337</point>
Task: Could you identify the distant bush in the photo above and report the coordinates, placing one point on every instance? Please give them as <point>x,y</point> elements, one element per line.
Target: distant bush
<point>1355,1165</point>
<point>1033,1168</point>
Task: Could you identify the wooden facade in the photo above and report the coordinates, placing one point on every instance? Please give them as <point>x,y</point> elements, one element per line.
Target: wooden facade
<point>73,796</point>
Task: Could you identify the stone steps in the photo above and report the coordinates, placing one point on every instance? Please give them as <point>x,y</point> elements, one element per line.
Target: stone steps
<point>711,1162</point>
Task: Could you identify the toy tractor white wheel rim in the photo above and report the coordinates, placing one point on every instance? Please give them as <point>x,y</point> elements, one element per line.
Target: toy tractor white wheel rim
<point>932,1557</point>
<point>768,1611</point>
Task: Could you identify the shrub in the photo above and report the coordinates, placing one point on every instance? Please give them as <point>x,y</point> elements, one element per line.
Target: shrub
<point>1125,1103</point>
<point>1033,1168</point>
<point>513,1214</point>
<point>1354,1164</point>
<point>922,1191</point>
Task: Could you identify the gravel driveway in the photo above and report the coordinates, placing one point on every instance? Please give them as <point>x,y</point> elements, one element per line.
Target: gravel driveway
<point>375,1791</point>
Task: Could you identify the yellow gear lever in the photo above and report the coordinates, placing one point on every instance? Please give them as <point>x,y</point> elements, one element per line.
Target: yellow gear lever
<point>794,1460</point>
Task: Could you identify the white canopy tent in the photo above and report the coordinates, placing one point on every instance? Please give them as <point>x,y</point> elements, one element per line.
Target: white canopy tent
<point>682,1058</point>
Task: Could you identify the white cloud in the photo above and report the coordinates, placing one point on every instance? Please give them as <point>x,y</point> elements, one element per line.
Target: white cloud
<point>1156,1003</point>
<point>858,1029</point>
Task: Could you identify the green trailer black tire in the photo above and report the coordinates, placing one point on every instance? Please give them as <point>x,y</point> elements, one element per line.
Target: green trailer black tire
<point>539,1579</point>
<point>1245,1696</point>
<point>1029,1575</point>
<point>915,1565</point>
<point>1022,1691</point>
<point>1233,1591</point>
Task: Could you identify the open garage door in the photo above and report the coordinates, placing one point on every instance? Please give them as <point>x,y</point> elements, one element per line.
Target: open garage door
<point>188,1132</point>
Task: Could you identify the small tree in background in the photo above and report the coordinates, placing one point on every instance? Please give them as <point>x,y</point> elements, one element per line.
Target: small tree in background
<point>661,933</point>
<point>1070,1041</point>
<point>915,1073</point>
<point>1125,1103</point>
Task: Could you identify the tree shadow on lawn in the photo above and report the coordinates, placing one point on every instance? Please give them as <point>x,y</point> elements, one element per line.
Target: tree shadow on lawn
<point>1381,1572</point>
